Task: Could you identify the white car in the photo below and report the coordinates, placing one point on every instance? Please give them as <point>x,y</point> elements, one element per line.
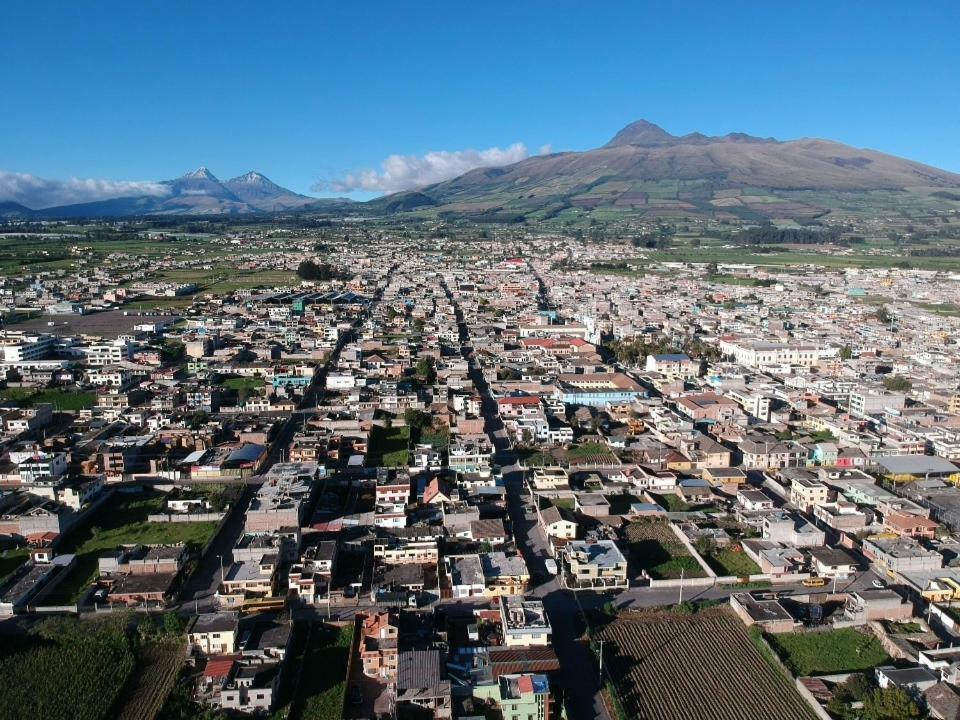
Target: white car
<point>879,584</point>
<point>551,565</point>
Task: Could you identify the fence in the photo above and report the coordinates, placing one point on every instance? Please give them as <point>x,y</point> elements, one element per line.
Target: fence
<point>186,517</point>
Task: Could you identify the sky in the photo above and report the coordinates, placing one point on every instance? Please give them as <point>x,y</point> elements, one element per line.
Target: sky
<point>362,98</point>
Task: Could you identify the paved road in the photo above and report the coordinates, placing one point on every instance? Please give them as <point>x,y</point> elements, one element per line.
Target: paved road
<point>578,673</point>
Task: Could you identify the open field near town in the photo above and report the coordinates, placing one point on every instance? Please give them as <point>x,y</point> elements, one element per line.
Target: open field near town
<point>819,653</point>
<point>694,667</point>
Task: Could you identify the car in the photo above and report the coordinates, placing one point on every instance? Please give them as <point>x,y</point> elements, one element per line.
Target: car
<point>878,583</point>
<point>356,696</point>
<point>551,565</point>
<point>814,582</point>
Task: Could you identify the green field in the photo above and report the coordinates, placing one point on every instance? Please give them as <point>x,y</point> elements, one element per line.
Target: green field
<point>725,561</point>
<point>121,520</point>
<point>244,383</point>
<point>319,694</point>
<point>652,546</point>
<point>834,651</point>
<point>10,560</point>
<point>388,447</point>
<point>61,399</point>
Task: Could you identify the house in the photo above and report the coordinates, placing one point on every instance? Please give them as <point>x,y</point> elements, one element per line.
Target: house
<point>909,525</point>
<point>901,554</point>
<point>420,683</point>
<point>504,574</point>
<point>465,576</point>
<point>832,562</point>
<point>525,622</point>
<point>518,696</point>
<point>595,565</point>
<point>756,608</point>
<point>555,525</point>
<point>807,493</point>
<point>378,645</point>
<point>213,633</point>
<point>754,500</point>
<point>912,679</point>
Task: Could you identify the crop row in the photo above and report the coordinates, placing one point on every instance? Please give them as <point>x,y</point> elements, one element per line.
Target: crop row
<point>698,668</point>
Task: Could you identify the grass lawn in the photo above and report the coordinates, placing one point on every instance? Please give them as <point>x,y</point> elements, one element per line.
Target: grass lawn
<point>388,446</point>
<point>834,651</point>
<point>10,560</point>
<point>319,695</point>
<point>243,383</point>
<point>121,520</point>
<point>61,399</point>
<point>653,547</point>
<point>725,561</point>
<point>672,503</point>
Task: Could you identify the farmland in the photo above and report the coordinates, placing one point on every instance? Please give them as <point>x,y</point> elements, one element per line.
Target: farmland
<point>653,547</point>
<point>69,670</point>
<point>695,667</point>
<point>835,651</point>
<point>158,665</point>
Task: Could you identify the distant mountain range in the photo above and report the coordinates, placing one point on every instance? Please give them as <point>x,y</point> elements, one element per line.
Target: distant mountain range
<point>196,193</point>
<point>643,170</point>
<point>646,170</point>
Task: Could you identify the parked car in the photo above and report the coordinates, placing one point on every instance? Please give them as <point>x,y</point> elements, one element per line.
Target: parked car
<point>878,583</point>
<point>551,566</point>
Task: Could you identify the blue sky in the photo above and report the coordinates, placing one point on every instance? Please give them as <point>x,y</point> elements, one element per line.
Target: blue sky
<point>310,92</point>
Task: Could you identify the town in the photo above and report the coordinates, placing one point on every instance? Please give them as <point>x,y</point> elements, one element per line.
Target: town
<point>366,470</point>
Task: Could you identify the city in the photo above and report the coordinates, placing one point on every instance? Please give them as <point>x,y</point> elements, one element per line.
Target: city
<point>480,361</point>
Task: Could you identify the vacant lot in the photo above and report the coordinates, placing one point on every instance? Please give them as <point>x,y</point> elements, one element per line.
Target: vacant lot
<point>121,520</point>
<point>319,693</point>
<point>695,667</point>
<point>727,561</point>
<point>388,446</point>
<point>819,653</point>
<point>60,399</point>
<point>653,547</point>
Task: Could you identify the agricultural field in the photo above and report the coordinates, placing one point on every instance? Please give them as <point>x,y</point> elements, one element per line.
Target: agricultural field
<point>591,454</point>
<point>834,651</point>
<point>702,666</point>
<point>652,546</point>
<point>158,665</point>
<point>67,670</point>
<point>121,520</point>
<point>11,559</point>
<point>388,446</point>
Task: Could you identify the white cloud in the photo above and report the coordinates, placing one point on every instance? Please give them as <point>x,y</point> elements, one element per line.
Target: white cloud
<point>546,149</point>
<point>403,172</point>
<point>37,192</point>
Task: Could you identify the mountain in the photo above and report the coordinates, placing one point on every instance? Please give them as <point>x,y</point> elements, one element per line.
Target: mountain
<point>196,193</point>
<point>644,169</point>
<point>14,211</point>
<point>261,193</point>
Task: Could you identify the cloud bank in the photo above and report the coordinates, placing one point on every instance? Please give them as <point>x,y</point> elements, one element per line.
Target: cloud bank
<point>404,172</point>
<point>37,192</point>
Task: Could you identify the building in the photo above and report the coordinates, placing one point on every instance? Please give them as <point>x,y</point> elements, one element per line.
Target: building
<point>213,633</point>
<point>518,697</point>
<point>595,565</point>
<point>525,622</point>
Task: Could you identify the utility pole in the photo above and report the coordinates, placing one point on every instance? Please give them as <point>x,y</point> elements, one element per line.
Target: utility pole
<point>601,661</point>
<point>680,601</point>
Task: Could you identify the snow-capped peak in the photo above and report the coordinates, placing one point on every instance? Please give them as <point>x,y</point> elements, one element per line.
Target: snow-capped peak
<point>201,173</point>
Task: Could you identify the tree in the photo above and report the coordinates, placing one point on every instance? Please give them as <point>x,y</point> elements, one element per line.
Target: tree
<point>890,704</point>
<point>846,352</point>
<point>883,315</point>
<point>859,686</point>
<point>308,270</point>
<point>417,418</point>
<point>897,383</point>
